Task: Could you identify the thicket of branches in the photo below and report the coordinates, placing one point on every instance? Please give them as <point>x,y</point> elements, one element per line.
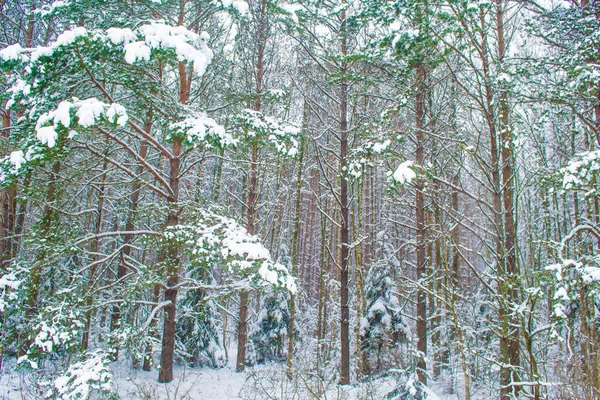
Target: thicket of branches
<point>353,189</point>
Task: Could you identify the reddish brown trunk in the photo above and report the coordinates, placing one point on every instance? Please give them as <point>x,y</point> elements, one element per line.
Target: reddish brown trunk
<point>172,252</point>
<point>8,206</point>
<point>421,230</point>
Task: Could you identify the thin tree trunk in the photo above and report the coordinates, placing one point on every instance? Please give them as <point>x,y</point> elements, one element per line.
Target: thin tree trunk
<point>360,291</point>
<point>509,343</point>
<point>294,245</point>
<point>253,188</point>
<point>96,245</point>
<point>344,214</point>
<point>7,206</point>
<point>147,364</point>
<point>129,226</point>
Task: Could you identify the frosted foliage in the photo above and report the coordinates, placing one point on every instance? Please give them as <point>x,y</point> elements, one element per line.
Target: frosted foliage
<point>281,135</point>
<point>68,114</point>
<point>188,45</point>
<point>137,45</point>
<point>201,130</point>
<point>215,238</point>
<point>570,275</point>
<point>52,7</point>
<point>64,39</point>
<point>84,377</point>
<point>579,172</point>
<point>88,112</point>
<point>239,5</point>
<point>8,284</point>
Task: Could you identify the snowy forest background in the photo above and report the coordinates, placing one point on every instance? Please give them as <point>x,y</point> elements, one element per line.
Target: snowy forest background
<point>395,197</point>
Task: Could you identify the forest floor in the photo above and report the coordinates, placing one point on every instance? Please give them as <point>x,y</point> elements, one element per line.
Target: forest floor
<point>266,381</point>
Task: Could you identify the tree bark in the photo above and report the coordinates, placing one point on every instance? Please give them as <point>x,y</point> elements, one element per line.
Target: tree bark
<point>253,188</point>
<point>421,233</point>
<point>294,245</point>
<point>508,282</point>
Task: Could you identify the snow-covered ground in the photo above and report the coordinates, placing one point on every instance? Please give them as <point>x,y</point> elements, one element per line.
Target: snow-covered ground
<point>261,382</point>
<point>197,384</point>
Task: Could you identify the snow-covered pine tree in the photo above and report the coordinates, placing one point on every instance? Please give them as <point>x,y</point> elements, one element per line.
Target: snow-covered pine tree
<point>269,330</point>
<point>382,328</point>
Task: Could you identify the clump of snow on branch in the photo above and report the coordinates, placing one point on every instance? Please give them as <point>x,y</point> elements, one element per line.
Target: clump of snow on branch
<point>279,134</point>
<point>202,130</point>
<point>188,45</point>
<point>84,377</point>
<point>64,39</point>
<point>88,112</point>
<point>12,52</point>
<point>214,239</point>
<point>404,174</point>
<point>68,114</point>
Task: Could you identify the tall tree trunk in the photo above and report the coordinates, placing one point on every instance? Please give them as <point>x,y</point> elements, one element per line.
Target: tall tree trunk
<point>344,214</point>
<point>420,98</point>
<point>253,188</point>
<point>172,251</point>
<point>170,311</point>
<point>244,295</point>
<point>509,342</point>
<point>294,245</point>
